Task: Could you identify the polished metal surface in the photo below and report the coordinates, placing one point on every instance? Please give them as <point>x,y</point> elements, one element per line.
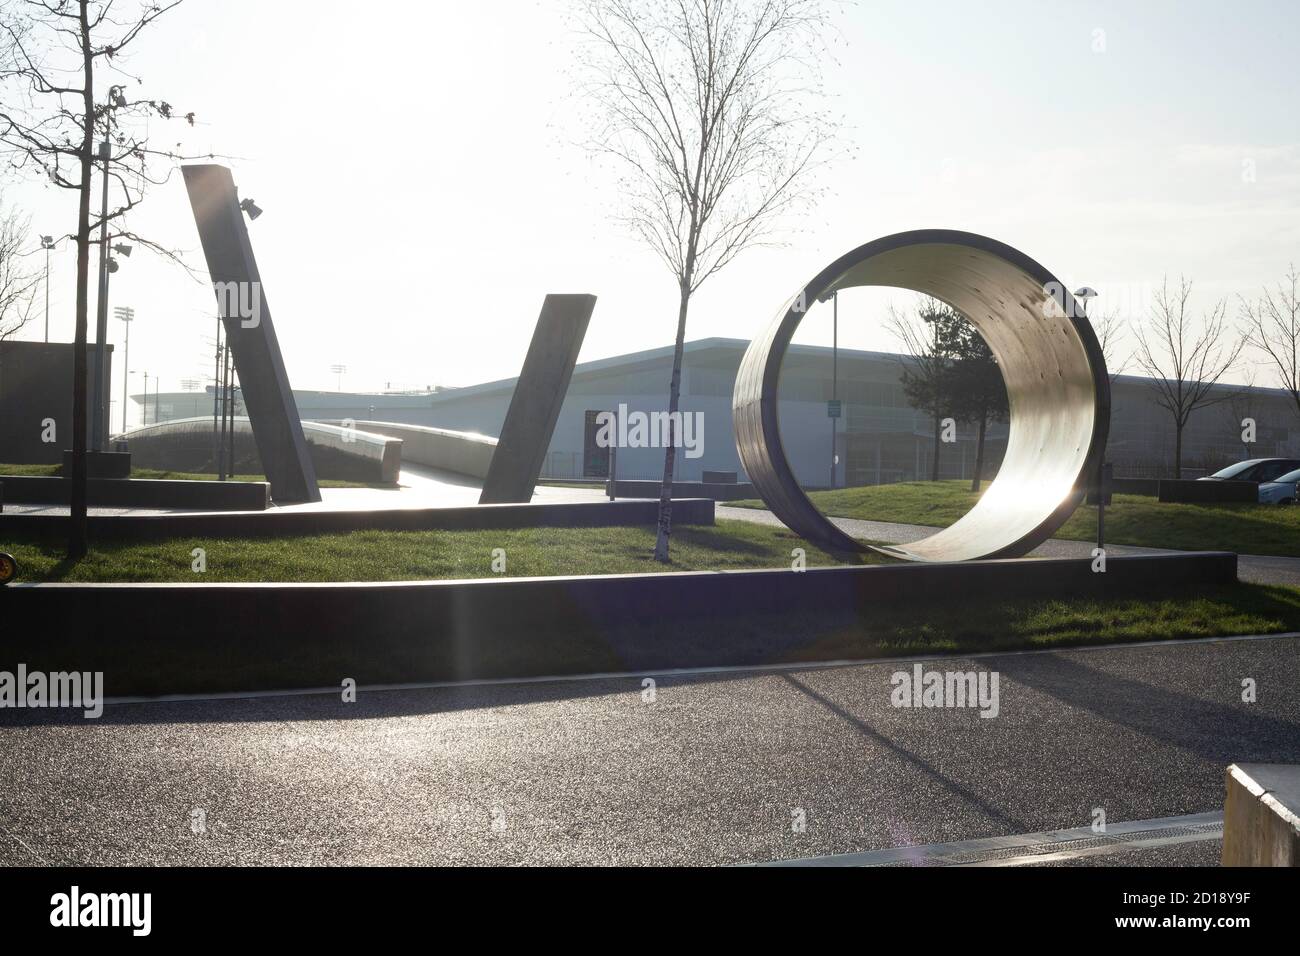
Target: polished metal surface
<point>1055,375</point>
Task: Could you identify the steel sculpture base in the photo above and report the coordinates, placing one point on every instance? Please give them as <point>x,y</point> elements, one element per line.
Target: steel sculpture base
<point>1055,375</point>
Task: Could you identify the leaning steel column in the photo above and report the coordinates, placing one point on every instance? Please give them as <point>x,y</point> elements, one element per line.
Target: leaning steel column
<point>250,334</point>
<point>539,394</point>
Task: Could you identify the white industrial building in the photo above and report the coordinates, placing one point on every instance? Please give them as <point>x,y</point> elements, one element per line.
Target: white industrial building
<point>878,439</point>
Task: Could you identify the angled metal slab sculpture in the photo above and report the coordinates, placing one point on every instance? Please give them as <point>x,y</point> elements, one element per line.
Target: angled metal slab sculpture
<point>1055,375</point>
<point>539,394</point>
<point>264,383</point>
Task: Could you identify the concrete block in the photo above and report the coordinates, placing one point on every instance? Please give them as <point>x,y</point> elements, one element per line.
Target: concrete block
<point>1193,491</point>
<point>1261,815</point>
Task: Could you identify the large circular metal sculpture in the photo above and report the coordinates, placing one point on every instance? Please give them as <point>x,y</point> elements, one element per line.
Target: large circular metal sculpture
<point>1055,375</point>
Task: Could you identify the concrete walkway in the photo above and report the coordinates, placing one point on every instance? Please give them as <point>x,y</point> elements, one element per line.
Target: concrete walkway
<point>1255,568</point>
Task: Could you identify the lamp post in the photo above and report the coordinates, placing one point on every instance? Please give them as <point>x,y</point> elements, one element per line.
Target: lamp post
<point>339,370</point>
<point>99,419</point>
<point>835,368</point>
<point>144,405</point>
<point>1084,294</point>
<point>106,265</point>
<point>127,315</point>
<point>47,243</point>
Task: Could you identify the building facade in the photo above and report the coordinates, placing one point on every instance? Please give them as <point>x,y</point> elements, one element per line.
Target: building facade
<point>877,439</point>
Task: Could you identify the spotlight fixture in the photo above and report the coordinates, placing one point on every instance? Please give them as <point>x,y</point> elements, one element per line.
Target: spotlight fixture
<point>250,207</point>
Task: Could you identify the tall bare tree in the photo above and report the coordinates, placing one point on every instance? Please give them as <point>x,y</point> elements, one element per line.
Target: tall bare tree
<point>58,117</point>
<point>1185,366</point>
<point>1273,327</point>
<point>709,109</point>
<point>17,279</point>
<point>930,342</point>
<point>1109,328</point>
<point>1242,406</point>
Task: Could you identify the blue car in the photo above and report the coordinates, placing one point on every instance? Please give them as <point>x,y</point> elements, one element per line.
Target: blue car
<point>1281,491</point>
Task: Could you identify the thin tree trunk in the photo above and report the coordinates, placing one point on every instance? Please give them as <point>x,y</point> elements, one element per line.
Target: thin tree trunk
<point>979,455</point>
<point>1178,450</point>
<point>670,453</point>
<point>77,524</point>
<point>934,465</point>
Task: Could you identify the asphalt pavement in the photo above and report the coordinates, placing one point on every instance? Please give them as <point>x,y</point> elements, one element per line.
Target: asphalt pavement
<point>734,767</point>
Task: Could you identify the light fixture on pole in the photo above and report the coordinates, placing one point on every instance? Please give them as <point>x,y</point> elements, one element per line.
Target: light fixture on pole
<point>251,208</point>
<point>339,370</point>
<point>47,243</point>
<point>125,314</point>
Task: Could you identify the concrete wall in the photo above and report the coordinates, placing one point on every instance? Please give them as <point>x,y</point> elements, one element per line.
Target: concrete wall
<point>466,453</point>
<point>512,628</point>
<point>139,493</point>
<point>36,384</point>
<point>187,445</point>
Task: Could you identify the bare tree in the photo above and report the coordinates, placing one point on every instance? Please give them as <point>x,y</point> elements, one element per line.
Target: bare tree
<point>1185,366</point>
<point>56,122</point>
<point>1109,328</point>
<point>706,107</point>
<point>17,279</point>
<point>1242,406</point>
<point>1273,327</point>
<point>930,342</point>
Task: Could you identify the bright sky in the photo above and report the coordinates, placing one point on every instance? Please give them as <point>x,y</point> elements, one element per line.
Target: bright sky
<point>422,192</point>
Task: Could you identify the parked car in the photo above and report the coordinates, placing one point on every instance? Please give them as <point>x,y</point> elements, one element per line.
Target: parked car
<point>1281,491</point>
<point>1258,470</point>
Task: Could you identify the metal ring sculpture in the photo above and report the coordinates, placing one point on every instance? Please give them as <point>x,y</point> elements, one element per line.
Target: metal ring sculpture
<point>1055,375</point>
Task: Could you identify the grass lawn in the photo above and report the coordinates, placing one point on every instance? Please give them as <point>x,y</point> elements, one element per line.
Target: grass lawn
<point>1131,519</point>
<point>154,473</point>
<point>970,623</point>
<point>983,624</point>
<point>953,624</point>
<point>420,555</point>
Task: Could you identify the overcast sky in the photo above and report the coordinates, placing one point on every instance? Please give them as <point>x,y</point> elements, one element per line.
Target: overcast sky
<point>422,192</point>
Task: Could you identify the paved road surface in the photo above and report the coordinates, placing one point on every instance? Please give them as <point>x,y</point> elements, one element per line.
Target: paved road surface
<point>587,771</point>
